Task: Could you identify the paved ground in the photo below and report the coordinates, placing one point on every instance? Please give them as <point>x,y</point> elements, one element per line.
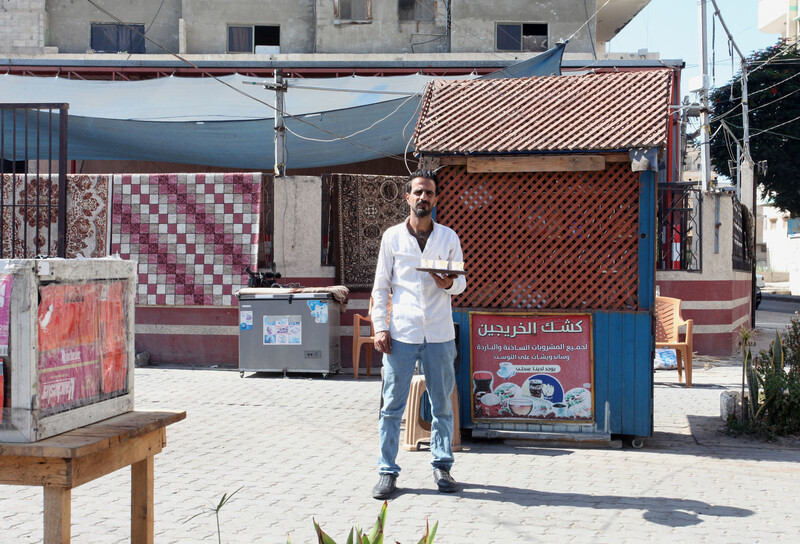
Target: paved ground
<point>300,448</point>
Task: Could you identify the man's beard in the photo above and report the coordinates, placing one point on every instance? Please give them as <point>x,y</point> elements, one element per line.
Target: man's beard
<point>424,212</point>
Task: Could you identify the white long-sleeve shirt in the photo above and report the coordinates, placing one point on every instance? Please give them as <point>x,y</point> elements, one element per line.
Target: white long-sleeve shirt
<point>420,309</point>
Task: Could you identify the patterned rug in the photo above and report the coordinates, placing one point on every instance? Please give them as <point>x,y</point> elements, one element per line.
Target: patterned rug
<point>192,234</point>
<point>28,223</point>
<point>366,207</point>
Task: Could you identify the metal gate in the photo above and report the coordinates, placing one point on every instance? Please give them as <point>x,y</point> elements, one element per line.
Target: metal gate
<point>31,196</point>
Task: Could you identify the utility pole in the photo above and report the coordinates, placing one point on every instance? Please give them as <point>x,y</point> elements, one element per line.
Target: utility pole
<point>748,185</point>
<point>705,129</point>
<point>279,86</point>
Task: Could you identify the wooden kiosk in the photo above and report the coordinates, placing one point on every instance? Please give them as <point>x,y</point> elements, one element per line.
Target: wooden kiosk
<point>550,183</point>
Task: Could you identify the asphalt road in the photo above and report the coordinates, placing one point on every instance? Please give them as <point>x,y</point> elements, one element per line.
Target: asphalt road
<point>773,314</point>
<point>778,305</point>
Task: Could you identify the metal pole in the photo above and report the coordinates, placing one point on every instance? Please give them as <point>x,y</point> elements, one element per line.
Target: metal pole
<point>62,181</point>
<point>705,156</point>
<point>745,105</point>
<point>280,129</point>
<point>748,184</point>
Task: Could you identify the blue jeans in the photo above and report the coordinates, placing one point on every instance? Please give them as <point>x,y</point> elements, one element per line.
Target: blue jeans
<point>440,378</point>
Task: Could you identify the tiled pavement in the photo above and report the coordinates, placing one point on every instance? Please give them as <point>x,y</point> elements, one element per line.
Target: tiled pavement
<point>299,448</point>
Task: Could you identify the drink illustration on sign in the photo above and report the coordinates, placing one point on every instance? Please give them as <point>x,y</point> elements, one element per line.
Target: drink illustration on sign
<point>532,366</point>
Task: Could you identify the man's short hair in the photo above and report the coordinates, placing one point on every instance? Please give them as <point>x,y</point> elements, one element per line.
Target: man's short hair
<point>423,173</point>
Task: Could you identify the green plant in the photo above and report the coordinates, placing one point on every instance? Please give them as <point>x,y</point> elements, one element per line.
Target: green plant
<point>773,403</point>
<point>745,335</point>
<point>375,536</point>
<point>222,502</point>
<point>791,343</point>
<point>780,409</point>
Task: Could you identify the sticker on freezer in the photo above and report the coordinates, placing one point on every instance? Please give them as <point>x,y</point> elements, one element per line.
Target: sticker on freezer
<point>282,330</point>
<point>319,309</point>
<point>246,320</point>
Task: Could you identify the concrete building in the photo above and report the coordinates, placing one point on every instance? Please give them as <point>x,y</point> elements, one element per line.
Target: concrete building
<point>777,232</point>
<point>225,27</point>
<point>778,236</point>
<point>779,17</point>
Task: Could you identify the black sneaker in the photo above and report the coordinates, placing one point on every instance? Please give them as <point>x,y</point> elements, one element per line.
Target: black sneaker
<point>386,486</point>
<point>445,482</point>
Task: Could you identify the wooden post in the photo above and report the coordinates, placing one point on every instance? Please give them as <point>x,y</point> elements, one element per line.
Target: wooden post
<point>57,512</point>
<point>142,525</point>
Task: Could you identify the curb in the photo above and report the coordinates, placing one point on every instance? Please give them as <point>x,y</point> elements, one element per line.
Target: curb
<point>783,298</point>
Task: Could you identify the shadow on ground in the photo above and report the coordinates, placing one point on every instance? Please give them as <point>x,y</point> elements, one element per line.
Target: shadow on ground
<point>668,511</point>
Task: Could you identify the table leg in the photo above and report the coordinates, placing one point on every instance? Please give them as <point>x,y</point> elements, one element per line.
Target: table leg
<point>57,514</point>
<point>142,501</point>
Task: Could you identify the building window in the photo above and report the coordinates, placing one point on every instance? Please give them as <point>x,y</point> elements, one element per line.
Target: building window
<point>417,10</point>
<point>521,37</point>
<point>114,38</point>
<point>793,228</point>
<point>352,10</point>
<point>250,38</point>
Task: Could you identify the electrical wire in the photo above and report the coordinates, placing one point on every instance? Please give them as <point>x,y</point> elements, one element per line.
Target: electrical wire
<point>588,20</point>
<point>146,30</point>
<point>786,47</point>
<point>775,126</point>
<point>411,136</point>
<point>447,16</point>
<point>770,87</point>
<point>738,112</point>
<point>779,134</point>
<point>376,123</point>
<point>591,39</point>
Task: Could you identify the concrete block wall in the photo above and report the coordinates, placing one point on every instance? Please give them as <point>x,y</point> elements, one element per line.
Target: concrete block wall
<point>207,22</point>
<point>22,27</point>
<point>474,22</point>
<point>306,26</point>
<point>69,26</point>
<point>384,33</point>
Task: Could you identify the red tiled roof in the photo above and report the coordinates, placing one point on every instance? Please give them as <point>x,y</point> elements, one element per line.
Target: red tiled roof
<point>608,111</point>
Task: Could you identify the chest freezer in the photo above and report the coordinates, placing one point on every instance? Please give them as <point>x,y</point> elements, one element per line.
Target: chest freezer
<point>288,332</point>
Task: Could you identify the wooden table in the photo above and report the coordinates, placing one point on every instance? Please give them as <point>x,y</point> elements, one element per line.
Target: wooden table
<point>73,458</point>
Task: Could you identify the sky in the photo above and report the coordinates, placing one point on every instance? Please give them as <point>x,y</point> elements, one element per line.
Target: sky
<point>672,29</point>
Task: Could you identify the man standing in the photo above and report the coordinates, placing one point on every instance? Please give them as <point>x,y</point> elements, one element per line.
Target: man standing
<point>418,328</point>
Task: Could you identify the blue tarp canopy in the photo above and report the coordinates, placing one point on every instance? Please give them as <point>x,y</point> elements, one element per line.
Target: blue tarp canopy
<point>205,122</point>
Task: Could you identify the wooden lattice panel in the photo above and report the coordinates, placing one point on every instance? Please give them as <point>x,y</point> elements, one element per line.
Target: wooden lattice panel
<point>545,240</point>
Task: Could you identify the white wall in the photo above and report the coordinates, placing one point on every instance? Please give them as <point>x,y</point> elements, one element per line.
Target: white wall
<point>783,252</point>
<point>298,227</point>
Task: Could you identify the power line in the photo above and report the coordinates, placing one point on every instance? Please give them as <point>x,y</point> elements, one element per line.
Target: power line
<point>376,123</point>
<point>588,20</point>
<point>776,126</point>
<point>765,89</point>
<point>738,113</point>
<point>780,52</point>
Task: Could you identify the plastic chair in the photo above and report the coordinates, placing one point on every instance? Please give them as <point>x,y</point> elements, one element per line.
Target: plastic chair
<point>417,429</point>
<point>668,320</point>
<point>359,340</point>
